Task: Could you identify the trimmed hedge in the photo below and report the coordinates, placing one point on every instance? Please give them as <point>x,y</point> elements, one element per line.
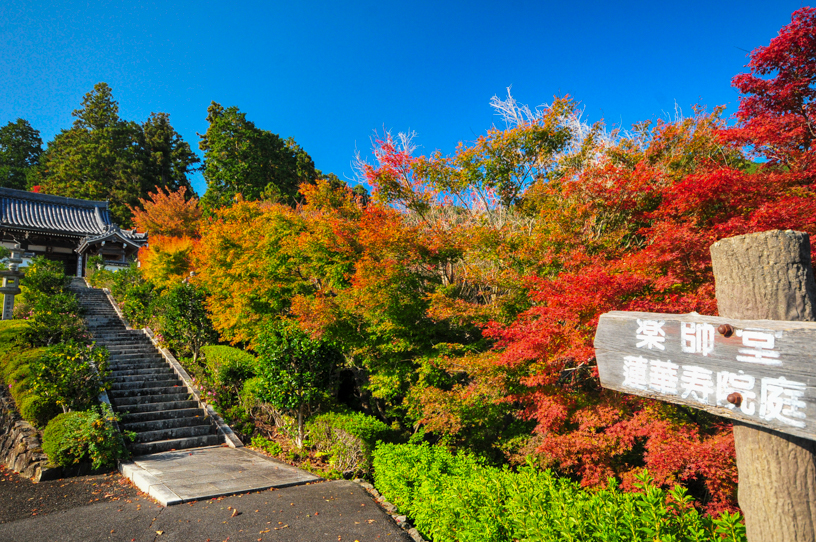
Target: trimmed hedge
<point>458,497</point>
<point>71,437</point>
<point>228,366</point>
<point>348,439</point>
<point>15,361</point>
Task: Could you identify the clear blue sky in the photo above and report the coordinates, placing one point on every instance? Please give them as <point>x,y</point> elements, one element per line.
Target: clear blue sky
<point>330,73</point>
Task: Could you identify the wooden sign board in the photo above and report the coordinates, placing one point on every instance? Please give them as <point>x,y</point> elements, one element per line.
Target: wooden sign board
<point>762,373</point>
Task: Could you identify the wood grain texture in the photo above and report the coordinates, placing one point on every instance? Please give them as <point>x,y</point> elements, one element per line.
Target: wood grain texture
<point>794,342</point>
<point>769,276</point>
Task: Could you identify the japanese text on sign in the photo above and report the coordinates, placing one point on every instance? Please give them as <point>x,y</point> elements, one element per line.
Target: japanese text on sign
<point>770,398</point>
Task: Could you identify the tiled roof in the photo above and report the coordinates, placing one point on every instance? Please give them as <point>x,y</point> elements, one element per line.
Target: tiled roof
<point>54,214</point>
<point>131,237</point>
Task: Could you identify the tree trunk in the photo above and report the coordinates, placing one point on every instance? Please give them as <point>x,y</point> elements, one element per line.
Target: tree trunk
<point>769,276</point>
<point>300,426</point>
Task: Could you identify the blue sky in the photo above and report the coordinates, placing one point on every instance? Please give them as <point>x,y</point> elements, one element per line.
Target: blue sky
<point>330,73</point>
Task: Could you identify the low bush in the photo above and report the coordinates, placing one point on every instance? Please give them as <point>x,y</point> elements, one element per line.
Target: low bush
<point>15,368</point>
<point>71,374</point>
<point>37,410</point>
<point>269,446</point>
<point>74,436</point>
<point>348,438</point>
<point>458,497</point>
<point>229,366</point>
<point>54,319</point>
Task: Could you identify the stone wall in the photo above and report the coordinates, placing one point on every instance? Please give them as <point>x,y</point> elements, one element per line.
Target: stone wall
<point>20,444</point>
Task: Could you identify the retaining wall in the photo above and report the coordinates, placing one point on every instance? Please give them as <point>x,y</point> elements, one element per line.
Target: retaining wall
<point>20,444</point>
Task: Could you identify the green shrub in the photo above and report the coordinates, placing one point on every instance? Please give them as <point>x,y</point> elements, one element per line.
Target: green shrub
<point>54,319</point>
<point>229,366</point>
<point>71,374</point>
<point>15,365</point>
<point>10,334</point>
<point>71,437</point>
<point>269,446</point>
<point>296,370</point>
<point>37,410</point>
<point>185,323</point>
<point>458,497</point>
<point>43,278</point>
<point>348,439</point>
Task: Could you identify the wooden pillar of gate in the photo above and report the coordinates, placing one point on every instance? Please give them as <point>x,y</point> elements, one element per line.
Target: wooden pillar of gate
<point>769,276</point>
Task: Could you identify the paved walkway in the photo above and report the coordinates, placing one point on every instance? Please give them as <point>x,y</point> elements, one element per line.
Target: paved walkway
<point>327,511</point>
<point>200,473</point>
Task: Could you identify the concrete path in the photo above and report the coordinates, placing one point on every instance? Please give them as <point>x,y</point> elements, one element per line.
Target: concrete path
<point>181,476</point>
<point>327,511</point>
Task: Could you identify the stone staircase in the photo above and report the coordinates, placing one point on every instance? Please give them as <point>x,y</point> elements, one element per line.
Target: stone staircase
<point>146,393</point>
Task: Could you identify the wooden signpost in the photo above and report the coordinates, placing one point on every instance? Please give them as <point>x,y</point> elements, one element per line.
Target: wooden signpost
<point>757,371</point>
<point>754,364</point>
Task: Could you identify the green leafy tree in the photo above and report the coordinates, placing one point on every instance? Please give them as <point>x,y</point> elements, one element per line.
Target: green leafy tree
<point>20,150</point>
<point>185,323</point>
<point>240,158</point>
<point>295,370</point>
<point>103,157</point>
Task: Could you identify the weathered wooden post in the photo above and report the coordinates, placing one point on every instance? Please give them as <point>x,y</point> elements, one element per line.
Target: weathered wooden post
<point>768,276</point>
<point>754,364</point>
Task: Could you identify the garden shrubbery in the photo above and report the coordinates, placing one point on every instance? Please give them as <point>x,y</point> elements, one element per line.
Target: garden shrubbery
<point>15,366</point>
<point>74,436</point>
<point>71,374</point>
<point>348,439</point>
<point>458,497</point>
<point>52,312</point>
<point>228,366</point>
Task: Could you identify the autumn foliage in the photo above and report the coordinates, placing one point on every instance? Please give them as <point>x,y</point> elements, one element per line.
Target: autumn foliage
<point>465,295</point>
<point>168,213</point>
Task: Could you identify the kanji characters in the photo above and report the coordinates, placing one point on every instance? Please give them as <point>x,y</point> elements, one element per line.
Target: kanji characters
<point>728,382</point>
<point>663,376</point>
<point>636,372</point>
<point>651,334</point>
<point>697,338</point>
<point>781,399</point>
<point>758,347</point>
<point>697,382</point>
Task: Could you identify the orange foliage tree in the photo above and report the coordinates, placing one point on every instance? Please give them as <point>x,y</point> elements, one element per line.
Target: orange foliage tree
<point>168,213</point>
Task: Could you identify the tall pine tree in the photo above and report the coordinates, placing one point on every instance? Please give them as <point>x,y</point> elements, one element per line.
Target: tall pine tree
<point>103,157</point>
<point>20,150</point>
<point>240,158</point>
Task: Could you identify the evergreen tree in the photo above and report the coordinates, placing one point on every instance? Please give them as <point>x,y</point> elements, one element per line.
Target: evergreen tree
<point>20,150</point>
<point>240,158</point>
<point>103,157</point>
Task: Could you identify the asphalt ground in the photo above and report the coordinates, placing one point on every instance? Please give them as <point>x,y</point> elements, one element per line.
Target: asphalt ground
<point>107,507</point>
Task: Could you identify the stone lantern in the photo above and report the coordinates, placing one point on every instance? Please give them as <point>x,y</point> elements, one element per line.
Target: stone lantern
<point>11,281</point>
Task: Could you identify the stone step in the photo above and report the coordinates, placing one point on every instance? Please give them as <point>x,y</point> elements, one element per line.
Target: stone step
<point>142,383</point>
<point>175,444</point>
<point>122,339</point>
<point>125,356</point>
<point>117,374</point>
<point>158,415</point>
<point>136,366</point>
<point>138,393</point>
<point>156,407</point>
<point>174,433</point>
<point>141,379</point>
<point>166,423</point>
<point>126,346</point>
<point>142,400</point>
